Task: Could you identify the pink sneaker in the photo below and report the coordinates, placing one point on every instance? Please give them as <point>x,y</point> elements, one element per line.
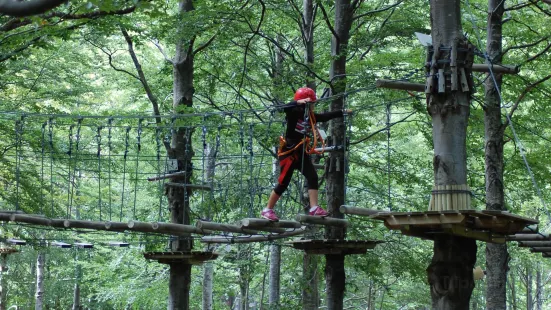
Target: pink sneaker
<point>318,211</point>
<point>269,215</point>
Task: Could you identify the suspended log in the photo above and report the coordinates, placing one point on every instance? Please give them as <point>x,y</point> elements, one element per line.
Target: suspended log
<point>327,221</point>
<point>254,238</point>
<point>165,228</point>
<point>36,220</point>
<point>401,85</point>
<point>119,244</point>
<point>86,224</point>
<point>224,227</point>
<point>190,186</point>
<point>534,244</point>
<point>257,223</point>
<point>116,226</point>
<point>503,69</point>
<point>528,237</point>
<point>84,245</point>
<point>358,211</point>
<point>145,227</point>
<point>168,176</point>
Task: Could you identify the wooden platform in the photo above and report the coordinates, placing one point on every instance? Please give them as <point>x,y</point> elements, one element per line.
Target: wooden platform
<point>489,226</point>
<point>192,258</point>
<point>332,246</point>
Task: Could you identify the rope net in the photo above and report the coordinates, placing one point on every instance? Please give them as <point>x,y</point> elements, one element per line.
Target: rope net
<point>97,168</point>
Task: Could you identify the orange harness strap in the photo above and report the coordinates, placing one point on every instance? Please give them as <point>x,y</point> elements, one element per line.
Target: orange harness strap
<point>310,147</point>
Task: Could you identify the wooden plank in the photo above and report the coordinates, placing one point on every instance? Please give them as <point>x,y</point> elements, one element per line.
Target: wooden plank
<point>327,221</point>
<point>357,211</point>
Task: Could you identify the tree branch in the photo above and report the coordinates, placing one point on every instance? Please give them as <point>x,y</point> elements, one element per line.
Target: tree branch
<point>326,18</point>
<point>524,45</point>
<point>160,48</point>
<point>204,45</point>
<point>538,54</point>
<point>378,10</point>
<point>142,78</point>
<point>27,8</point>
<point>521,97</point>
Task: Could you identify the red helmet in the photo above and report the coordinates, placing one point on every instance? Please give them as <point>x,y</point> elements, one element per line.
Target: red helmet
<point>305,92</point>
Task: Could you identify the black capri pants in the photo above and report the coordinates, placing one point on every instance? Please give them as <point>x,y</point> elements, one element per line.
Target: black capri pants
<point>297,160</point>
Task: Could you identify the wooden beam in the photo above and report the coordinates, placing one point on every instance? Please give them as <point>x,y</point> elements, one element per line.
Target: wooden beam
<point>540,249</point>
<point>327,221</point>
<point>168,176</point>
<point>256,223</point>
<point>357,211</point>
<point>534,244</point>
<point>190,186</point>
<point>528,237</point>
<point>401,85</point>
<point>502,69</point>
<point>144,227</point>
<point>248,239</point>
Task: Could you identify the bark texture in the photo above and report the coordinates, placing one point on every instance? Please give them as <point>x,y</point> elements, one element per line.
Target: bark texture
<point>76,297</point>
<point>334,264</point>
<point>275,264</point>
<point>450,273</point>
<point>497,256</point>
<point>178,198</point>
<point>39,295</point>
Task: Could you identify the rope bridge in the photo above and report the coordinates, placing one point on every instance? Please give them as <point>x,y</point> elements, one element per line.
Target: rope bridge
<point>116,168</point>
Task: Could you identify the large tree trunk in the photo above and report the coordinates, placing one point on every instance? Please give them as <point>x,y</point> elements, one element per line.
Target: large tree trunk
<point>496,254</point>
<point>450,273</point>
<point>39,295</point>
<point>334,264</point>
<point>182,151</point>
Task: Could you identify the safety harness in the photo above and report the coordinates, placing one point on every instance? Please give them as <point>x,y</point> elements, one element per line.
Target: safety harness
<point>309,143</point>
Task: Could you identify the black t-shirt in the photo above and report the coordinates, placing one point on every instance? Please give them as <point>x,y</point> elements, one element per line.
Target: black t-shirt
<point>297,126</point>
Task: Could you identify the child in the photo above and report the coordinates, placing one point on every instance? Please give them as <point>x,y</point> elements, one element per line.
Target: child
<point>294,154</point>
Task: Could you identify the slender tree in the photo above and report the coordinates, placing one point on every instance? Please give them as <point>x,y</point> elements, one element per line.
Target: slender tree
<point>497,256</point>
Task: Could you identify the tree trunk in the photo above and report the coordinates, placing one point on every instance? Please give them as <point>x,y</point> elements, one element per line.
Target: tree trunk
<point>39,295</point>
<point>513,292</point>
<point>76,297</point>
<point>334,264</point>
<point>497,256</point>
<point>529,296</point>
<point>3,283</point>
<point>539,287</point>
<point>182,151</point>
<point>208,276</point>
<point>275,264</point>
<point>310,288</point>
<point>450,273</point>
